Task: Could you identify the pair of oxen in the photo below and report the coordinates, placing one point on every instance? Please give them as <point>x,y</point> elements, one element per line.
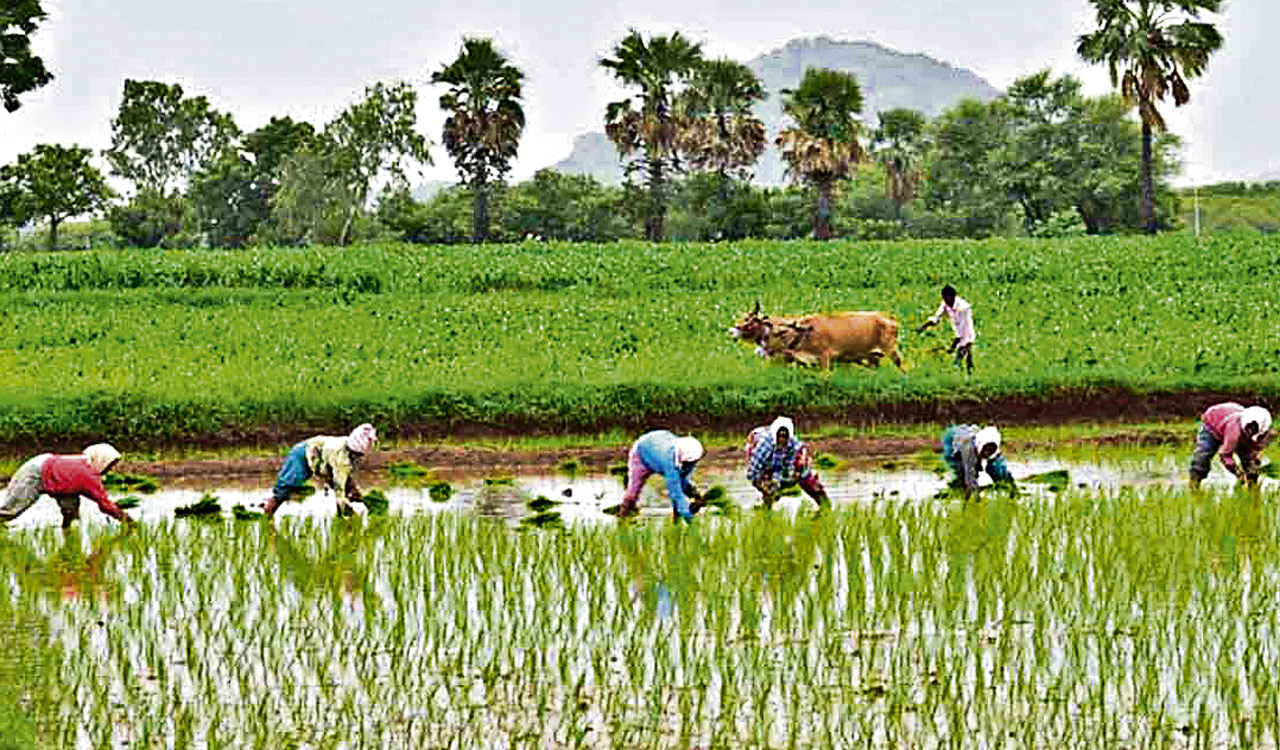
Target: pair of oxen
<point>822,338</point>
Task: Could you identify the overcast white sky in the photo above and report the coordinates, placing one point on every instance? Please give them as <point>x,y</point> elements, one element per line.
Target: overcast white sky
<point>308,60</point>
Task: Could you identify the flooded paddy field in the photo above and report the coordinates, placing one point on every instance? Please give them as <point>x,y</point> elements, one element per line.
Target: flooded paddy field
<point>1115,611</point>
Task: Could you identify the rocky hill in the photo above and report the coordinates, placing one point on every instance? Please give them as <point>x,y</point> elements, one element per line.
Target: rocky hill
<point>889,80</point>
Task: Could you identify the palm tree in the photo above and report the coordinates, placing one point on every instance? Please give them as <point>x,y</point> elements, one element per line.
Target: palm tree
<point>1151,47</point>
<point>485,123</point>
<point>822,147</point>
<point>719,133</point>
<point>658,67</point>
<point>898,143</point>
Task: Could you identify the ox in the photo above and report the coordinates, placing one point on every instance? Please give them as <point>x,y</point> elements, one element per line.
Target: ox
<point>862,337</point>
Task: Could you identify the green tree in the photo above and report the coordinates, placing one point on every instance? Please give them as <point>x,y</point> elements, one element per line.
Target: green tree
<point>160,137</point>
<point>231,197</point>
<point>330,180</point>
<point>720,133</point>
<point>152,218</point>
<point>1038,161</point>
<point>822,147</point>
<point>20,70</point>
<point>486,120</point>
<point>1110,168</point>
<point>958,181</point>
<point>54,183</point>
<point>1151,47</point>
<point>898,145</point>
<point>659,68</point>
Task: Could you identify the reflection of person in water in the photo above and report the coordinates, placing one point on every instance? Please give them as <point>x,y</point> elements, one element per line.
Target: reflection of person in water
<point>68,570</point>
<point>332,562</point>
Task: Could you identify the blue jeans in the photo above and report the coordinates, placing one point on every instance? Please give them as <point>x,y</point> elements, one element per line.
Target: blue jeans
<point>294,474</point>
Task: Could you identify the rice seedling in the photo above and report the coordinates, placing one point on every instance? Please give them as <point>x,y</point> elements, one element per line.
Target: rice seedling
<point>241,513</point>
<point>409,471</point>
<point>116,482</point>
<point>440,492</point>
<point>129,501</point>
<point>541,503</point>
<point>377,503</point>
<point>207,505</point>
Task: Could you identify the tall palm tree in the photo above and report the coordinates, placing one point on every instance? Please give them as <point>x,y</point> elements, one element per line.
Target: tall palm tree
<point>719,133</point>
<point>485,123</point>
<point>1152,48</point>
<point>658,67</point>
<point>898,147</point>
<point>822,146</point>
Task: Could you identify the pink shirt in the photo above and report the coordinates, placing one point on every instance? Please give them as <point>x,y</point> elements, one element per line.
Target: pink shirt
<point>961,320</point>
<point>1223,421</point>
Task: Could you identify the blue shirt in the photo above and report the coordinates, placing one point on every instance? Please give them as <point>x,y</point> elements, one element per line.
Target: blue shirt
<point>657,451</point>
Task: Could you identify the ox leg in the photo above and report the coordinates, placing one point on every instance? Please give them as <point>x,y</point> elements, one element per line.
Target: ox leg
<point>897,360</point>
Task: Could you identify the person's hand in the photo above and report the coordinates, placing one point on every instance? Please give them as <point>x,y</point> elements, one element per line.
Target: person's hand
<point>920,328</point>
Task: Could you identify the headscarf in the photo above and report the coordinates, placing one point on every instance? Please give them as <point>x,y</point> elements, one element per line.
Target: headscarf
<point>1259,415</point>
<point>782,454</point>
<point>688,449</point>
<point>361,438</point>
<point>779,424</point>
<point>100,456</point>
<point>988,435</point>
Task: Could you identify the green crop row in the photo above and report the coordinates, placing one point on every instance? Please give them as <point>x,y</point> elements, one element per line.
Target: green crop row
<point>1081,265</point>
<point>1121,620</point>
<point>639,338</point>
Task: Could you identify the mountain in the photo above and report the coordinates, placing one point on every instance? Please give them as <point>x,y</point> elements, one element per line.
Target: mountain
<point>889,80</point>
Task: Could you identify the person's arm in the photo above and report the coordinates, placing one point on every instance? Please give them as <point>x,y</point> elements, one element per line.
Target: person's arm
<point>998,470</point>
<point>933,319</point>
<point>1230,443</point>
<point>343,482</point>
<point>970,462</point>
<point>97,491</point>
<point>675,489</point>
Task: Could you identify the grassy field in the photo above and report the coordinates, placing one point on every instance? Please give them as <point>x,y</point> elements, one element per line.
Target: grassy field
<point>142,346</point>
<point>1124,620</point>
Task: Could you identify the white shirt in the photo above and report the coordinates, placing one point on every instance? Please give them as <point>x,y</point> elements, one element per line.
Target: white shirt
<point>961,320</point>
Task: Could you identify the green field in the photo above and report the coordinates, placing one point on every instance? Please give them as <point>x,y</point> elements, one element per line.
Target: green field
<point>1121,620</point>
<point>154,346</point>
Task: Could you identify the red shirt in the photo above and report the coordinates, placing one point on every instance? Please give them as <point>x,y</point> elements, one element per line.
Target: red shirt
<point>1223,421</point>
<point>72,476</point>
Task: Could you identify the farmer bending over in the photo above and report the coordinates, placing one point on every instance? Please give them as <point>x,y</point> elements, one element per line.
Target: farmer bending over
<point>331,461</point>
<point>1231,431</point>
<point>961,315</point>
<point>661,452</point>
<point>969,450</point>
<point>65,479</point>
<point>776,459</point>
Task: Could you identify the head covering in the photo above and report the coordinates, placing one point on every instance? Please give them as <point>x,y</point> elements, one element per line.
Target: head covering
<point>1256,414</point>
<point>988,435</point>
<point>100,456</point>
<point>780,423</point>
<point>688,449</point>
<point>361,438</point>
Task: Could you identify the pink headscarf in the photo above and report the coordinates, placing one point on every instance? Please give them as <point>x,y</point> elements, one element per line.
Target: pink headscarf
<point>361,438</point>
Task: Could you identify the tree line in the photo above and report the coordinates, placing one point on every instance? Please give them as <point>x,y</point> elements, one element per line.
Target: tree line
<point>1041,159</point>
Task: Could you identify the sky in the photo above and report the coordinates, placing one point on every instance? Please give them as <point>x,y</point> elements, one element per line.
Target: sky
<point>309,60</point>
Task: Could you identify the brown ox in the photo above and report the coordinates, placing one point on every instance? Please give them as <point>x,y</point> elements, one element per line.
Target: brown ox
<point>862,337</point>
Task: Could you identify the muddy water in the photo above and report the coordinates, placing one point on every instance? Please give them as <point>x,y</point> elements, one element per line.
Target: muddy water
<point>584,497</point>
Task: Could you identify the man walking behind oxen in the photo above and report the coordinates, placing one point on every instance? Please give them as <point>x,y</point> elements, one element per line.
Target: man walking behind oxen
<point>961,315</point>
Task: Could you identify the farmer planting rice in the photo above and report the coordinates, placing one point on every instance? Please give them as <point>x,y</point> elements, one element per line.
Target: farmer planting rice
<point>969,450</point>
<point>961,315</point>
<point>1233,432</point>
<point>777,459</point>
<point>331,461</point>
<point>675,458</point>
<point>65,479</point>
